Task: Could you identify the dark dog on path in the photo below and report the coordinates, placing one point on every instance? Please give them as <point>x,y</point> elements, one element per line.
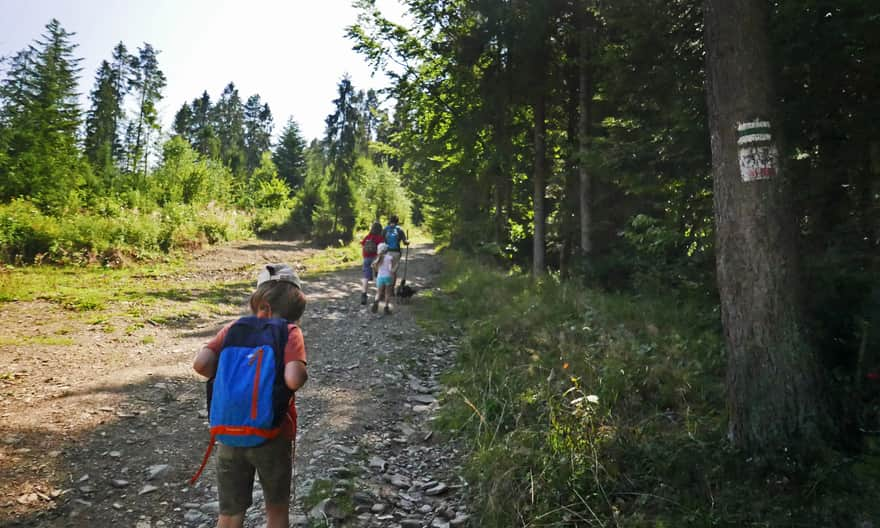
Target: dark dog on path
<point>405,292</point>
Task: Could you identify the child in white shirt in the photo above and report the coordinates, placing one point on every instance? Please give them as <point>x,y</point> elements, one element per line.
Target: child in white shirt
<point>385,267</point>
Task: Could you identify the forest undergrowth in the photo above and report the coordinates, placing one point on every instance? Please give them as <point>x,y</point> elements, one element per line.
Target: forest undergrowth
<point>589,408</point>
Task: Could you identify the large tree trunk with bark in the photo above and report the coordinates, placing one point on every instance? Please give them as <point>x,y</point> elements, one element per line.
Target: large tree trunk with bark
<point>774,386</point>
<point>539,180</point>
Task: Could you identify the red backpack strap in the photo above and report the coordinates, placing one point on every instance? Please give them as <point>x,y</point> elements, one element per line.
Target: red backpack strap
<point>204,460</point>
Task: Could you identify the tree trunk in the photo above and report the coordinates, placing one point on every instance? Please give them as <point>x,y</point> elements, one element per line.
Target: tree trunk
<point>498,198</point>
<point>585,96</point>
<point>146,151</point>
<point>502,178</point>
<point>136,156</point>
<point>774,387</point>
<point>336,199</point>
<point>538,267</point>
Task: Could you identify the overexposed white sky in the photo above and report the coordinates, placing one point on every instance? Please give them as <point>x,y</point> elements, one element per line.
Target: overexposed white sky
<point>292,53</point>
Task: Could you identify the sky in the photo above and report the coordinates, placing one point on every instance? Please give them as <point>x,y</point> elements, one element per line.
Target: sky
<point>292,53</point>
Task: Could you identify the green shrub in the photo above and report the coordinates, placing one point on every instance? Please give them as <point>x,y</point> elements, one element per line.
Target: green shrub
<point>25,232</point>
<point>380,195</point>
<point>268,220</point>
<point>265,190</point>
<point>184,178</point>
<point>221,224</point>
<point>183,204</point>
<point>110,231</point>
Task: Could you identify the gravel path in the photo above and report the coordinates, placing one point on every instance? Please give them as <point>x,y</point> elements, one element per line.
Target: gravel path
<point>115,443</point>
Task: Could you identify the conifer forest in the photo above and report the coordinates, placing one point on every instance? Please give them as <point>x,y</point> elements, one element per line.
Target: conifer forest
<point>659,222</point>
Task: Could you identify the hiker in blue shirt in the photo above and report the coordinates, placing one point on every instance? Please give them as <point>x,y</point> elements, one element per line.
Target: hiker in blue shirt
<point>394,236</point>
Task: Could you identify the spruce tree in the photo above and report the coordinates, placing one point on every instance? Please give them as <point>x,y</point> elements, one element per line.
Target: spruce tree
<point>290,155</point>
<point>228,119</point>
<point>123,65</point>
<point>147,84</point>
<point>342,141</point>
<point>41,118</point>
<point>183,123</point>
<point>203,135</point>
<point>101,140</point>
<point>258,130</point>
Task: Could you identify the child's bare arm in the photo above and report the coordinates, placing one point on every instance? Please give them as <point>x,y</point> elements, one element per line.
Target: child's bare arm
<point>295,375</point>
<point>205,362</point>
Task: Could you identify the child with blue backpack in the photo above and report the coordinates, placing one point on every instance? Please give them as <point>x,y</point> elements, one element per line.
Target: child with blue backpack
<point>394,236</point>
<point>254,366</point>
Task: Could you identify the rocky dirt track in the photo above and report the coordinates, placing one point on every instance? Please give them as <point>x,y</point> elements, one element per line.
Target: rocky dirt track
<point>106,431</point>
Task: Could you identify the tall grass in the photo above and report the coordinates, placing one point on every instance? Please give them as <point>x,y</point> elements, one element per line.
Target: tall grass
<point>583,408</point>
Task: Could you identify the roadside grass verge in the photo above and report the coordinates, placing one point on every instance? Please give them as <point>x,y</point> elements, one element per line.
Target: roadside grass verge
<point>36,340</point>
<point>159,291</point>
<point>155,293</point>
<point>84,288</point>
<point>584,408</point>
<point>334,258</point>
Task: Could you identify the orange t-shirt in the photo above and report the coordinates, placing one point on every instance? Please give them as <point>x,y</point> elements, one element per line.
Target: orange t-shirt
<point>295,350</point>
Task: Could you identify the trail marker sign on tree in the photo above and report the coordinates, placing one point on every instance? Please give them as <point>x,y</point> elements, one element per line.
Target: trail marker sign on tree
<point>758,156</point>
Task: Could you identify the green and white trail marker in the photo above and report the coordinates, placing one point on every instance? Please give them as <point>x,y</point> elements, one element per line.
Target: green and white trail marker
<point>758,157</point>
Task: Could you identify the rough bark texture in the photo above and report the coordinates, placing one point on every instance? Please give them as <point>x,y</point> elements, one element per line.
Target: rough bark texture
<point>775,396</point>
<point>539,184</point>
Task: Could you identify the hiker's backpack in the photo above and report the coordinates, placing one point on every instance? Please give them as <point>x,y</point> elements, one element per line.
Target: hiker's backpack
<point>248,397</point>
<point>392,237</point>
<point>370,246</point>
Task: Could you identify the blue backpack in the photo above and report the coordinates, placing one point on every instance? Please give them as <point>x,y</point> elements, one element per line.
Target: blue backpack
<point>247,397</point>
<point>392,237</point>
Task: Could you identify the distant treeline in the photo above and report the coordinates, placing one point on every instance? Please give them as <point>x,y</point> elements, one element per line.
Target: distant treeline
<point>109,183</point>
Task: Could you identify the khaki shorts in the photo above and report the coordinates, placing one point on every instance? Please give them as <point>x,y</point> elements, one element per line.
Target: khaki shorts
<point>272,461</point>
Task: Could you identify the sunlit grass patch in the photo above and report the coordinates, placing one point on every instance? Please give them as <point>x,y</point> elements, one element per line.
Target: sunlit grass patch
<point>36,340</point>
<point>334,258</point>
<point>140,294</point>
<point>134,327</point>
<point>84,288</point>
<point>79,299</point>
